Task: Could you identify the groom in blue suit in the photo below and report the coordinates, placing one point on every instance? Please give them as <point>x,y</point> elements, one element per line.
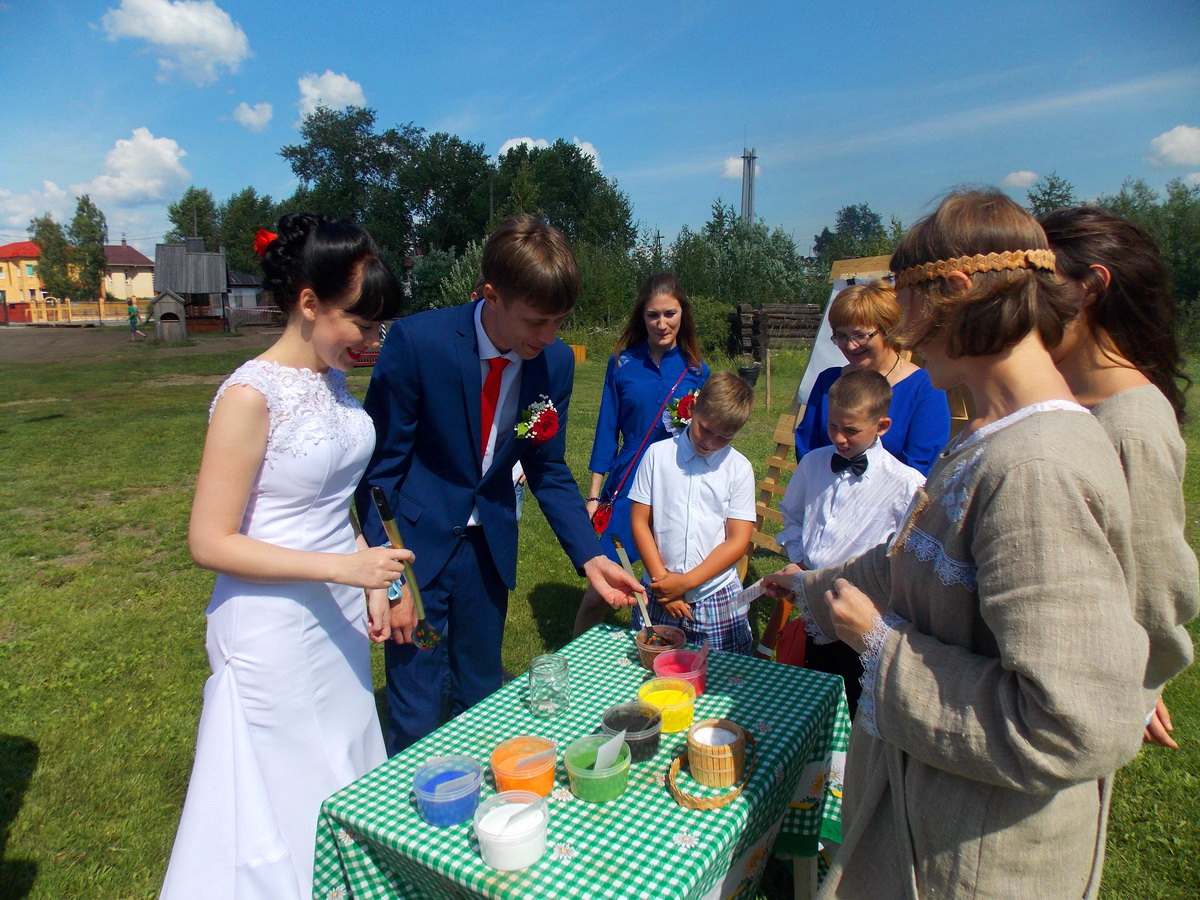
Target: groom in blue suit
<point>446,396</point>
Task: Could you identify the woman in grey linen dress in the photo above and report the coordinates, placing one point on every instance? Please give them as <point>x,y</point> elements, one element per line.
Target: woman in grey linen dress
<point>1120,356</point>
<point>1003,666</point>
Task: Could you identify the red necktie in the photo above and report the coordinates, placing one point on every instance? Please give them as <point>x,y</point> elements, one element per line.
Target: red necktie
<point>490,397</point>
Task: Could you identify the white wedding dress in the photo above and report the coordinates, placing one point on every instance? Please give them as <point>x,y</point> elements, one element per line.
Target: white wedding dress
<point>289,715</point>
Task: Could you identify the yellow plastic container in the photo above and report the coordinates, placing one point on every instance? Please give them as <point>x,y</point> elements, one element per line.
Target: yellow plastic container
<point>675,699</point>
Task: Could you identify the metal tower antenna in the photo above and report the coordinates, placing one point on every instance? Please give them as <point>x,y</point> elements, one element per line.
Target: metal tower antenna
<point>748,163</point>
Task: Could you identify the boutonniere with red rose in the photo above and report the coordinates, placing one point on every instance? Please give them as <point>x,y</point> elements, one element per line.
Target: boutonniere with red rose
<point>678,414</point>
<point>539,421</point>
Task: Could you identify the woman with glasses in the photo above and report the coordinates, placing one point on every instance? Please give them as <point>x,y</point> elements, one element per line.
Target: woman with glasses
<point>863,318</point>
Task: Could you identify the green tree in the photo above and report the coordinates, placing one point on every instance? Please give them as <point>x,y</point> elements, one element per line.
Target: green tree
<point>459,282</point>
<point>1174,223</point>
<point>88,233</point>
<point>449,180</point>
<point>349,171</point>
<point>54,256</point>
<point>1051,192</point>
<point>858,231</point>
<point>239,218</point>
<point>194,215</point>
<point>562,184</point>
<point>735,262</point>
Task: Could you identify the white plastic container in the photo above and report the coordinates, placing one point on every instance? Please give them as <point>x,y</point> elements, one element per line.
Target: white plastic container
<point>507,848</point>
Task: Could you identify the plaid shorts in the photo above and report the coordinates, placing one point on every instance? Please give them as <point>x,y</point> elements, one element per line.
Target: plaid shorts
<point>716,620</point>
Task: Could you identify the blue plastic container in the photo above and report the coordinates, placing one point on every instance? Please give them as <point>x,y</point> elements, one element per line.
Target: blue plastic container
<point>450,807</point>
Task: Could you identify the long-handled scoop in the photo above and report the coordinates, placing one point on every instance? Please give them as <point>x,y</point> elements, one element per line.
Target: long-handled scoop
<point>640,597</point>
<point>424,635</point>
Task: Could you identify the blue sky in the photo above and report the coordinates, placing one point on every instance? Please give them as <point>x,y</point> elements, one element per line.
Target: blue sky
<point>885,103</point>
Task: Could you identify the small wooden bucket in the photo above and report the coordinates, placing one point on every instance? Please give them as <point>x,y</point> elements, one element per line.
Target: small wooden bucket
<point>716,763</point>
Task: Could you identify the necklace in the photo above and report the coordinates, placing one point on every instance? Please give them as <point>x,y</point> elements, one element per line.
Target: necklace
<point>889,372</point>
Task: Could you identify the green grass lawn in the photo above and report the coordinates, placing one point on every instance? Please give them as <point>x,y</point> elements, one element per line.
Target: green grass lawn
<point>102,657</point>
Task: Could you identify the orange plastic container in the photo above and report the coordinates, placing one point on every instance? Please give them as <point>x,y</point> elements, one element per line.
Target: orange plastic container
<point>510,776</point>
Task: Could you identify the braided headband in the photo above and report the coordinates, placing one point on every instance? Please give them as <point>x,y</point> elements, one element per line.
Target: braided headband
<point>982,262</point>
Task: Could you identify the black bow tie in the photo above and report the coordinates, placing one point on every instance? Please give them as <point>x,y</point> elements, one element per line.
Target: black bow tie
<point>857,465</point>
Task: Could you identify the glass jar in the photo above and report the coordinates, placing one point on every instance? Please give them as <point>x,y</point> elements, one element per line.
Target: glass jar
<point>549,685</point>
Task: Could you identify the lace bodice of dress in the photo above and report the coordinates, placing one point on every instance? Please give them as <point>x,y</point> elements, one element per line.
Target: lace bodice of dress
<point>304,407</point>
<point>318,445</point>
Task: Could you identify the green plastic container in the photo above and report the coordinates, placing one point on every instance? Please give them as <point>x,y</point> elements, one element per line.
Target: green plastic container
<point>589,784</point>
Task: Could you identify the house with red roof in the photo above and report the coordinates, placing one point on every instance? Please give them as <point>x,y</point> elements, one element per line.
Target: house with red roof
<point>19,281</point>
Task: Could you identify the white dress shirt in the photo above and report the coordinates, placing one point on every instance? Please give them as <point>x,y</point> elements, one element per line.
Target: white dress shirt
<point>510,392</point>
<point>690,496</point>
<point>830,517</point>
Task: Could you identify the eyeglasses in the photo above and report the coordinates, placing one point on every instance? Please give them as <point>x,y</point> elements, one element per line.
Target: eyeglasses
<point>859,339</point>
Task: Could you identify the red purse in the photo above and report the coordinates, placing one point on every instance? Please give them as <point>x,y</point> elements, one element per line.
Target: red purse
<point>603,513</point>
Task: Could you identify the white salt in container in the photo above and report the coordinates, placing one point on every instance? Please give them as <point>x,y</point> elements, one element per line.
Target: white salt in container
<point>511,828</point>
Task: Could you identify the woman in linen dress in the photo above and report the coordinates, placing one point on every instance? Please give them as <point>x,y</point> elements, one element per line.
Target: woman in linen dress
<point>863,319</point>
<point>289,714</point>
<point>1121,359</point>
<point>658,353</point>
<point>1003,665</point>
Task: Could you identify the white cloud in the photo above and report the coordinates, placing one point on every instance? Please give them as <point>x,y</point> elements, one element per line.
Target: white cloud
<point>1022,179</point>
<point>254,117</point>
<point>732,168</point>
<point>1192,180</point>
<point>332,89</point>
<point>16,210</point>
<point>1178,147</point>
<point>529,142</point>
<point>141,169</point>
<point>195,37</point>
<point>588,149</point>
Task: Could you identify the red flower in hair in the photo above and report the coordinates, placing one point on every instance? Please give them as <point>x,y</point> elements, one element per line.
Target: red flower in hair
<point>262,240</point>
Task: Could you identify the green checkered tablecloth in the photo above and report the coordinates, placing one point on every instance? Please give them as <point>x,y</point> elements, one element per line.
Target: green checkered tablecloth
<point>372,843</point>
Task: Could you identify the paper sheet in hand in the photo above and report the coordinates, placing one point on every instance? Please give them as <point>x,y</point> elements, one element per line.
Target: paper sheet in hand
<point>742,601</point>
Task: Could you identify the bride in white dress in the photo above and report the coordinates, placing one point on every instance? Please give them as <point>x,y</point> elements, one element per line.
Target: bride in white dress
<point>289,714</point>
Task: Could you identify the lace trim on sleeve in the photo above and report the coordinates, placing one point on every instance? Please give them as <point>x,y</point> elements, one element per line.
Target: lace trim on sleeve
<point>874,639</point>
<point>251,374</point>
<point>813,629</point>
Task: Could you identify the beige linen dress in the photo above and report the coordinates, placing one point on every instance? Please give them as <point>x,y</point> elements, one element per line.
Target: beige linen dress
<point>1141,425</point>
<point>996,710</point>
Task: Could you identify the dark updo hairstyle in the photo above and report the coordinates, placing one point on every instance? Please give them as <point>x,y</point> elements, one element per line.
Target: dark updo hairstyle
<point>1134,316</point>
<point>337,260</point>
<point>635,329</point>
<point>1001,307</point>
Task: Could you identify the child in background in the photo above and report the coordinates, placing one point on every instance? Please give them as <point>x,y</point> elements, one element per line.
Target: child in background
<point>692,516</point>
<point>845,499</point>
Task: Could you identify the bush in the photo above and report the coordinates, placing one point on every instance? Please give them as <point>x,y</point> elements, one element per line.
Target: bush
<point>712,325</point>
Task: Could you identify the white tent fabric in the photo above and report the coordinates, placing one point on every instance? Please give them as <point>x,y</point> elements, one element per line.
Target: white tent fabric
<point>825,352</point>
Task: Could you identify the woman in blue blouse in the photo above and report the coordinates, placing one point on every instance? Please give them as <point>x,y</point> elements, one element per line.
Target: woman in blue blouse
<point>658,353</point>
<point>863,318</point>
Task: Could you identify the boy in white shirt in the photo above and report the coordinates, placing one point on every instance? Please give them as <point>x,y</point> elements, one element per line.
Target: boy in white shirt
<point>693,513</point>
<point>845,499</point>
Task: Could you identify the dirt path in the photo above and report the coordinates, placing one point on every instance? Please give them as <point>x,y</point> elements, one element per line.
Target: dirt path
<point>24,344</point>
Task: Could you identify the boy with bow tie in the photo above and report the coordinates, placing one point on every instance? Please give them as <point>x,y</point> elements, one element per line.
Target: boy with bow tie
<point>845,499</point>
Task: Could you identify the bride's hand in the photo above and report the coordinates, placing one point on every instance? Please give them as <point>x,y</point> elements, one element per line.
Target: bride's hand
<point>379,616</point>
<point>375,567</point>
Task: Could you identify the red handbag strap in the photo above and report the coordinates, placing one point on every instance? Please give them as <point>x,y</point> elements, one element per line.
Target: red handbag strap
<point>653,425</point>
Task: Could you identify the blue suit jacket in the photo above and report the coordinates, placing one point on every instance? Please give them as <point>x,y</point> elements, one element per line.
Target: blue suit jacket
<point>424,398</point>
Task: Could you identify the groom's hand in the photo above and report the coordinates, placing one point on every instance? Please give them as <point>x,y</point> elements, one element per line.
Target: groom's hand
<point>611,582</point>
<point>403,617</point>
